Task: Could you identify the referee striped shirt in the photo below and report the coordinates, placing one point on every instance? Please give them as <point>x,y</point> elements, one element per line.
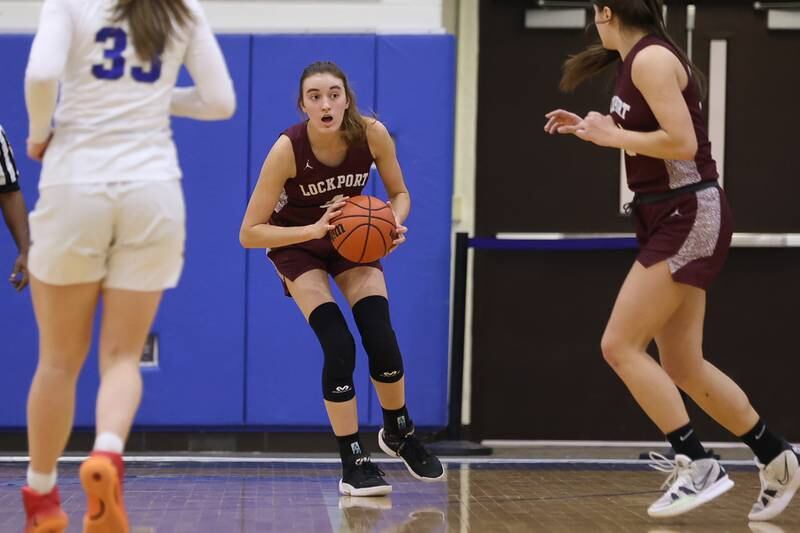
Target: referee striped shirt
<point>9,174</point>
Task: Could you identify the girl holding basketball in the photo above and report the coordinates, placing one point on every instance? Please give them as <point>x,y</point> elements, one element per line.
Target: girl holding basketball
<point>683,224</point>
<point>306,178</point>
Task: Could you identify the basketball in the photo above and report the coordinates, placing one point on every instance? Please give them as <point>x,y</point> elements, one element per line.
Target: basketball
<point>365,229</point>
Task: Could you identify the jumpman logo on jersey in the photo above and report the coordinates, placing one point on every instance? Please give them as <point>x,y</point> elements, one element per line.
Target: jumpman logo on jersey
<point>308,166</point>
<point>676,213</point>
<point>337,198</point>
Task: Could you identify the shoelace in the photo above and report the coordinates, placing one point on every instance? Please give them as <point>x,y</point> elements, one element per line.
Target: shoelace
<point>370,468</point>
<point>666,465</point>
<point>413,447</point>
<point>762,479</point>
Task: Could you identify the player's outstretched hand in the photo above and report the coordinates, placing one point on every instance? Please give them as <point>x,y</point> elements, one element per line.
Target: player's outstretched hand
<point>558,119</point>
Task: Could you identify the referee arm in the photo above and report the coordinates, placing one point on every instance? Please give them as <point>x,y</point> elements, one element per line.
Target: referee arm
<point>15,213</point>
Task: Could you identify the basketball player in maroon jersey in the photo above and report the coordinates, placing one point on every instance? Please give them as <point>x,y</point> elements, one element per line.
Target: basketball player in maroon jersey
<point>683,225</point>
<point>308,172</point>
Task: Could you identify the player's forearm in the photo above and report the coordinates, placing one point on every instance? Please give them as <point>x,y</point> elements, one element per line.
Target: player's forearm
<point>658,144</point>
<point>190,102</point>
<point>269,236</point>
<point>401,205</point>
<point>40,99</point>
<point>45,67</point>
<point>16,217</point>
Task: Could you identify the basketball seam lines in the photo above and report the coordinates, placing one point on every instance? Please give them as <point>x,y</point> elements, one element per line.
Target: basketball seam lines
<point>369,219</point>
<point>369,225</point>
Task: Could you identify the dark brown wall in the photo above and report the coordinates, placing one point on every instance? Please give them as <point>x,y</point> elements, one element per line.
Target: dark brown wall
<point>526,180</point>
<point>537,368</point>
<point>538,316</point>
<point>762,167</point>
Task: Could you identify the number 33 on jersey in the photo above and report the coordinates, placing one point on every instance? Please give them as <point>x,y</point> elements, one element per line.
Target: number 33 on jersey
<point>113,67</point>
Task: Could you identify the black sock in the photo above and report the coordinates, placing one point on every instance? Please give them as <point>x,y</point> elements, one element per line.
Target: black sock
<point>764,443</point>
<point>397,422</point>
<point>685,442</point>
<point>349,445</point>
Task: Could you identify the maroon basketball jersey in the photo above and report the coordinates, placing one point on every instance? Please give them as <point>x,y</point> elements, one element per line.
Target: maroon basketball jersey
<point>306,196</point>
<point>630,111</point>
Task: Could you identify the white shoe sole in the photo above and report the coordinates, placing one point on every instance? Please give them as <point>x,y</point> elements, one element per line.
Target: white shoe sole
<point>778,504</point>
<point>684,505</point>
<point>391,453</point>
<point>346,489</point>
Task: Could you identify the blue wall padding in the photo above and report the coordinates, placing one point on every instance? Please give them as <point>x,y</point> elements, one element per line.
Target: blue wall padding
<point>201,324</point>
<point>284,367</point>
<point>234,351</point>
<point>416,84</point>
<point>18,347</point>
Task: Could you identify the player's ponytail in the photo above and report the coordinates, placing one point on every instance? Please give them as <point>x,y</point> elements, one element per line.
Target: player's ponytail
<point>646,15</point>
<point>584,65</point>
<point>152,23</point>
<point>354,126</point>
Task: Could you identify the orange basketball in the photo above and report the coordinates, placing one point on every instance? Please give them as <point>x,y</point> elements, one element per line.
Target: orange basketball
<point>364,231</point>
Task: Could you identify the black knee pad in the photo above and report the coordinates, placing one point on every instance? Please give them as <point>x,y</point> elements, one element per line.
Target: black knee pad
<point>377,336</point>
<point>339,350</point>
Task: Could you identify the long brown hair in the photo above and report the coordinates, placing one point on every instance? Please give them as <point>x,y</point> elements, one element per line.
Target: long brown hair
<point>646,15</point>
<point>354,127</point>
<point>152,23</point>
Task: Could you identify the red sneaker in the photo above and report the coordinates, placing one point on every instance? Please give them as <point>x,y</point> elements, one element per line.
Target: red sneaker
<point>44,511</point>
<point>101,476</point>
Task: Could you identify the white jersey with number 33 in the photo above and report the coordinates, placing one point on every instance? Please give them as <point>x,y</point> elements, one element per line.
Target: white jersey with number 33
<point>112,120</point>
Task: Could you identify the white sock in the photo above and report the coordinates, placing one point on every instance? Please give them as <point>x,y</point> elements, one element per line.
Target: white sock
<point>108,442</point>
<point>42,483</point>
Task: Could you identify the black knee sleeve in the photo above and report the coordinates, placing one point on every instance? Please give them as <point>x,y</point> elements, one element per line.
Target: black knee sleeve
<point>372,318</point>
<point>339,350</point>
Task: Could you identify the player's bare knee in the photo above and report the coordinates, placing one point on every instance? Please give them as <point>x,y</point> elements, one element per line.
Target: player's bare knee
<point>62,365</point>
<point>617,348</point>
<point>684,369</point>
<point>680,375</point>
<point>610,347</point>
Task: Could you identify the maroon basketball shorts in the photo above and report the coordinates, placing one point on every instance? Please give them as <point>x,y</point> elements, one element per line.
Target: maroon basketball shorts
<point>691,232</point>
<point>317,254</point>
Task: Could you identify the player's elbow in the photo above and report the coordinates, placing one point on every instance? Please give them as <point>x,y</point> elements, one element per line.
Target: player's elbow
<point>224,107</point>
<point>251,236</point>
<point>689,152</point>
<point>687,149</point>
<point>43,71</point>
<point>245,237</point>
<point>35,78</point>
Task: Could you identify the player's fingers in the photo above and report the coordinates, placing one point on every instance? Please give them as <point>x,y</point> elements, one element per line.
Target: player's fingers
<point>554,113</point>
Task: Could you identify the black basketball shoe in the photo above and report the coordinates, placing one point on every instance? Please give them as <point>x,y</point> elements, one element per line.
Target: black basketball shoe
<point>420,462</point>
<point>360,477</point>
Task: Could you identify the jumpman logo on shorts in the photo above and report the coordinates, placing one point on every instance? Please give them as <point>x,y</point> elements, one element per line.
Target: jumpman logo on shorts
<point>676,213</point>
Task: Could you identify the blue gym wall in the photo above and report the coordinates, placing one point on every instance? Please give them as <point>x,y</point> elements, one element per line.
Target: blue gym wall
<point>234,351</point>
